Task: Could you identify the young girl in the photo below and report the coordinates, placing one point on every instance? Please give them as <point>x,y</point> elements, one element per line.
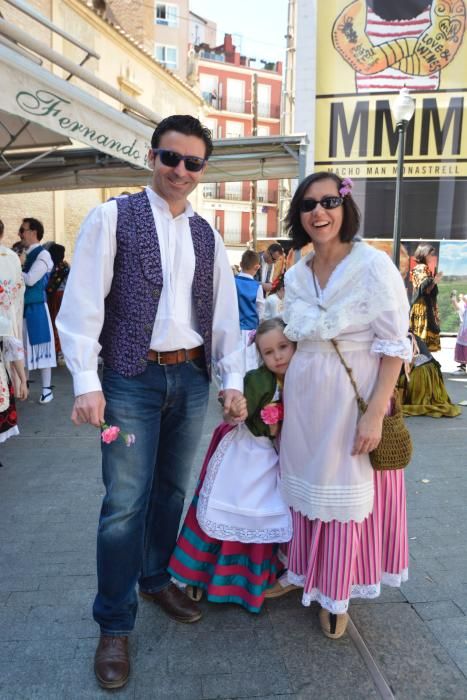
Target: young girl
<point>228,543</point>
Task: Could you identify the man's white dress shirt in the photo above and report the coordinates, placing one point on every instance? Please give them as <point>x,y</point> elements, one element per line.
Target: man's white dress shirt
<point>81,316</point>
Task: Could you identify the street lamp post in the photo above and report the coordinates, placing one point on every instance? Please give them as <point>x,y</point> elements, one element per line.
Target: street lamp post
<point>403,109</point>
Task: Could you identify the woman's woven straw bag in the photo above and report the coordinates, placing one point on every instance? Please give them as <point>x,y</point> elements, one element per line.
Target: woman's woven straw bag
<point>395,449</point>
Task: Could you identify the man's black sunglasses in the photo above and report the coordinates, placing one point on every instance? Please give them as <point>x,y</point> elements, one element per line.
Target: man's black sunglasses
<point>327,203</point>
<point>171,159</point>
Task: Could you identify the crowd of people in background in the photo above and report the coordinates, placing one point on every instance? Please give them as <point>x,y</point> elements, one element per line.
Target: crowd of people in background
<point>32,280</point>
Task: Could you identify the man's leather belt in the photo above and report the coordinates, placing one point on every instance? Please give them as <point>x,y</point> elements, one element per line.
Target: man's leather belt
<point>174,357</point>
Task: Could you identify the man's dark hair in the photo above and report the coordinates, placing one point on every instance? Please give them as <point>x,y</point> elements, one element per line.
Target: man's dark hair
<point>184,124</point>
<point>35,225</point>
<point>2,228</point>
<point>275,248</point>
<point>423,251</point>
<point>351,219</point>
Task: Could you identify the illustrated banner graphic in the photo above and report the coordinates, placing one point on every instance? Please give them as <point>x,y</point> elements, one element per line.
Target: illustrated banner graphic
<point>374,48</point>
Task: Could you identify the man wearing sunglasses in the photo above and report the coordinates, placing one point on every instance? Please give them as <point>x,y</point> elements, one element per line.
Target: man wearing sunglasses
<point>150,289</point>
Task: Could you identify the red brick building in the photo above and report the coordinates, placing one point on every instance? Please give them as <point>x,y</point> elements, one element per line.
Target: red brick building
<point>226,83</point>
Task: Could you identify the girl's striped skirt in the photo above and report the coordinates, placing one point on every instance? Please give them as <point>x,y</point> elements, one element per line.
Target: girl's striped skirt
<point>228,572</point>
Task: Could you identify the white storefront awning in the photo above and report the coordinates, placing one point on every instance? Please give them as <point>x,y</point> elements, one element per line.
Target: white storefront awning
<point>54,135</point>
<point>47,110</point>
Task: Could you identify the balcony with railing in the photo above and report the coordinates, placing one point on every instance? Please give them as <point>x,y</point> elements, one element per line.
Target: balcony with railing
<point>266,109</point>
<point>235,104</point>
<point>212,99</point>
<point>211,191</point>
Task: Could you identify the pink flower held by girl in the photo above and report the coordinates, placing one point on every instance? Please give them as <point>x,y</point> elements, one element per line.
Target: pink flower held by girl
<point>110,434</point>
<point>272,413</point>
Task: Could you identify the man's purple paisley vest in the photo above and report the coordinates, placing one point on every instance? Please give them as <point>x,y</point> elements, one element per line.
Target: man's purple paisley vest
<point>131,305</point>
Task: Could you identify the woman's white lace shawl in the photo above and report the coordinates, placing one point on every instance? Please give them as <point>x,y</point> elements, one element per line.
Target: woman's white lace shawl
<point>370,285</point>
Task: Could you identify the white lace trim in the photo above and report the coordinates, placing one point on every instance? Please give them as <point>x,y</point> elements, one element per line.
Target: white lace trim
<point>367,592</point>
<point>394,348</point>
<point>370,285</point>
<point>228,532</point>
<point>326,503</point>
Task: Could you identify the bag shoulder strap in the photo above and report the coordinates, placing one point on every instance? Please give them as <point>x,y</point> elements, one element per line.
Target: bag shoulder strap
<point>361,402</point>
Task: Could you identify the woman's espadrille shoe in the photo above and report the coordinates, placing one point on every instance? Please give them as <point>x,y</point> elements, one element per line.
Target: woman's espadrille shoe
<point>278,590</point>
<point>333,626</point>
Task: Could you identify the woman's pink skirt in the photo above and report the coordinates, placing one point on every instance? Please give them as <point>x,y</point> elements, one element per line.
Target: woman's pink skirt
<point>460,353</point>
<point>335,561</point>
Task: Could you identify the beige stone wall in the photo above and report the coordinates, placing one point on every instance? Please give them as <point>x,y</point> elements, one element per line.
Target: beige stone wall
<point>14,207</point>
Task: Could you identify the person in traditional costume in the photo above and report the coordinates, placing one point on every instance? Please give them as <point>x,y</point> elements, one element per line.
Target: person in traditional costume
<point>275,300</point>
<point>421,385</point>
<point>250,298</point>
<point>424,316</point>
<point>152,292</point>
<point>349,522</point>
<point>228,543</point>
<point>39,345</point>
<point>12,374</point>
<point>460,350</point>
<point>55,289</point>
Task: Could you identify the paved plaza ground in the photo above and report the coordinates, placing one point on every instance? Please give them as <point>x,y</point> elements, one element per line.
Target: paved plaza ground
<point>50,492</point>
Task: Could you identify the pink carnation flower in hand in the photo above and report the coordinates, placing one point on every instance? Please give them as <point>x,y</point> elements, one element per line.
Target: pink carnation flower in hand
<point>272,413</point>
<point>110,434</point>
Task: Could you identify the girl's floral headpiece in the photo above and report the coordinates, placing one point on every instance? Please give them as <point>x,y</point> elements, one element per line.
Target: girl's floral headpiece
<point>346,187</point>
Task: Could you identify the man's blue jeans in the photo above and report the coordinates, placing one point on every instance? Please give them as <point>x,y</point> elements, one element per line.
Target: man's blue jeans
<point>145,484</point>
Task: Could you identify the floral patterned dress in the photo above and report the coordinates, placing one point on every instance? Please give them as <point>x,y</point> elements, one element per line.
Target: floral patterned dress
<point>11,347</point>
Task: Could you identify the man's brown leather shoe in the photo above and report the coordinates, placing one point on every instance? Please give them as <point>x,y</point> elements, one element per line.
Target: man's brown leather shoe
<point>175,603</point>
<point>111,662</point>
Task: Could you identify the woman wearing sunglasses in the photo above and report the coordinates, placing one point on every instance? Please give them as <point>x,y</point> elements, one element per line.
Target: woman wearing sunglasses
<point>349,521</point>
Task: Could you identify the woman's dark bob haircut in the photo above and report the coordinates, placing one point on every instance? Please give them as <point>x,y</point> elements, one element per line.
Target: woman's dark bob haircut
<point>422,252</point>
<point>297,233</point>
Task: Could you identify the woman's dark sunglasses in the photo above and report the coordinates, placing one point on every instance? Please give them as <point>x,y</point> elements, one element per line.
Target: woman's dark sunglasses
<point>171,159</point>
<point>327,203</point>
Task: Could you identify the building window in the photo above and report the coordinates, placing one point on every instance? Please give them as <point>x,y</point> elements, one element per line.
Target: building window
<point>263,130</point>
<point>209,88</point>
<point>212,126</point>
<point>211,190</point>
<point>261,224</point>
<point>233,130</point>
<point>167,55</point>
<point>262,190</point>
<point>264,100</point>
<point>235,95</point>
<point>233,190</point>
<point>166,14</point>
<point>232,226</point>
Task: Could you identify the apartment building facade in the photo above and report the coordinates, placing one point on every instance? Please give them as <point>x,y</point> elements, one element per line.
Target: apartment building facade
<point>226,83</point>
